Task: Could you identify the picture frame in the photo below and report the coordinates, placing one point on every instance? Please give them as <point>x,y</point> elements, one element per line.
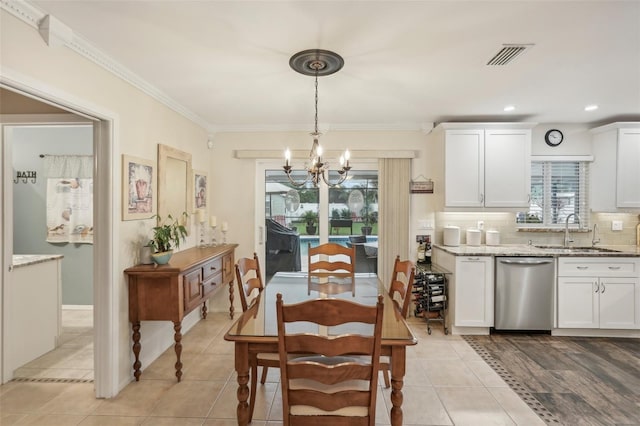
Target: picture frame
<point>200,188</point>
<point>175,184</point>
<point>139,188</point>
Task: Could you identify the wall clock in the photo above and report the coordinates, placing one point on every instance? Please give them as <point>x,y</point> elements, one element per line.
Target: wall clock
<point>553,137</point>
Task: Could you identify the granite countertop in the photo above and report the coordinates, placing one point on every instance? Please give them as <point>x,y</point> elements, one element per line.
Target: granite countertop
<point>31,259</point>
<point>547,251</point>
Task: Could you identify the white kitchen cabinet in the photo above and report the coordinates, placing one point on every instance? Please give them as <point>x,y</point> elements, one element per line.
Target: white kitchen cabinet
<point>474,291</point>
<point>487,165</point>
<point>615,172</point>
<point>599,293</point>
<point>464,168</point>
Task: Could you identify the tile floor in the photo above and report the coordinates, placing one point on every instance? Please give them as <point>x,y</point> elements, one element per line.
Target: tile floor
<point>447,383</point>
<point>73,359</point>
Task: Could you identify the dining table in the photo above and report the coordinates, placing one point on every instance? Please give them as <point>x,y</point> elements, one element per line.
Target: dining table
<point>255,331</point>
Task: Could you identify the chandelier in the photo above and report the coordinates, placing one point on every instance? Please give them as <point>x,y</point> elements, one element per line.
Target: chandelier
<point>317,62</point>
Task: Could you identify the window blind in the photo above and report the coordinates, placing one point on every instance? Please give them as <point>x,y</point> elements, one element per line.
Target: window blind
<point>558,189</point>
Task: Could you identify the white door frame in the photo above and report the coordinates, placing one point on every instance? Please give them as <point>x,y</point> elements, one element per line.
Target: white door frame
<point>106,206</point>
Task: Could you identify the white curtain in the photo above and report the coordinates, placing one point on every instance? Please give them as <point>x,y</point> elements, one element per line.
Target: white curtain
<point>69,198</point>
<point>394,209</point>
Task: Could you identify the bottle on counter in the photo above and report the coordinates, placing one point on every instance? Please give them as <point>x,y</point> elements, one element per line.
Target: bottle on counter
<point>421,252</point>
<point>427,250</point>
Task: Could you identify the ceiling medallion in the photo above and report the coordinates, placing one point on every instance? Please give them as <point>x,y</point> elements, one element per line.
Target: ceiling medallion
<point>317,63</point>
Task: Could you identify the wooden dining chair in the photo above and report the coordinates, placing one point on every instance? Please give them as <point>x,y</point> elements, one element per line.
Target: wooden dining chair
<point>336,384</point>
<point>249,279</point>
<point>331,260</point>
<point>400,292</point>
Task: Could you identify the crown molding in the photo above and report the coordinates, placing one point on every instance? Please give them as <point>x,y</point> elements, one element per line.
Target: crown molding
<point>269,154</point>
<point>326,128</point>
<point>32,16</point>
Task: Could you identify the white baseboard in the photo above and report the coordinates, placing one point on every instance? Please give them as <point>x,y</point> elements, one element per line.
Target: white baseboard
<point>78,307</point>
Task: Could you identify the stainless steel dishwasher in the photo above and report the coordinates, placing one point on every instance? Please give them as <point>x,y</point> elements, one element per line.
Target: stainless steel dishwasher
<point>524,293</point>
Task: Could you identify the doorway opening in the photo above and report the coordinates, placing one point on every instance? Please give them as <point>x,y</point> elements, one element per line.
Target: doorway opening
<point>53,216</point>
<point>34,94</point>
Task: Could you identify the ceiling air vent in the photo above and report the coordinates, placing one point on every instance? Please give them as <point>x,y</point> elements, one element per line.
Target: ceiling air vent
<point>508,53</point>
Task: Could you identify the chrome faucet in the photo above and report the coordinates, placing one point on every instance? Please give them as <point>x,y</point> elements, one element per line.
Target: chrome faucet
<point>596,235</point>
<point>567,236</point>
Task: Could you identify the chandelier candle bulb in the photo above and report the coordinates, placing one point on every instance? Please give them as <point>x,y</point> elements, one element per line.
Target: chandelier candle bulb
<point>287,157</point>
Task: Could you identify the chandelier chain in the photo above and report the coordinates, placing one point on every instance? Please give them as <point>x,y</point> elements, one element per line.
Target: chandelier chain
<point>316,103</point>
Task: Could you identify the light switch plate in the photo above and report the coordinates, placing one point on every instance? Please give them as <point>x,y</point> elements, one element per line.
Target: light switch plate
<point>616,225</point>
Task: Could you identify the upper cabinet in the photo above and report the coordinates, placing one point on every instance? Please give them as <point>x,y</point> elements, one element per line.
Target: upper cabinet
<point>615,172</point>
<point>487,164</point>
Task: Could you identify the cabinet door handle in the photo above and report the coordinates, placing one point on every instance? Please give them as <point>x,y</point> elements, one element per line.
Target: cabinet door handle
<point>528,198</point>
<point>614,268</point>
<point>603,288</point>
<point>582,268</point>
<point>597,287</point>
<point>473,258</point>
<point>213,268</point>
<point>481,197</point>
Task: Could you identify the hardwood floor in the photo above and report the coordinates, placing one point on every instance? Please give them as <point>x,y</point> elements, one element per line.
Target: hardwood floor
<point>578,380</point>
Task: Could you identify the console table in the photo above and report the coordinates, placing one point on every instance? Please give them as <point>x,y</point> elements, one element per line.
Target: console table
<point>169,292</point>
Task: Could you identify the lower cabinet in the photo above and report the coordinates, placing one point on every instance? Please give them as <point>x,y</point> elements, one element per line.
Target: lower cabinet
<point>474,291</point>
<point>609,298</point>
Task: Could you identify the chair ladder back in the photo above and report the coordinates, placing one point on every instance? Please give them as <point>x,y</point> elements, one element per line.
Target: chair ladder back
<point>326,253</point>
<point>249,278</point>
<point>402,283</point>
<point>327,386</point>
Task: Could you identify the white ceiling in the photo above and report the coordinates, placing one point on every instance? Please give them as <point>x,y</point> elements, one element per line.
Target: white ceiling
<point>407,63</point>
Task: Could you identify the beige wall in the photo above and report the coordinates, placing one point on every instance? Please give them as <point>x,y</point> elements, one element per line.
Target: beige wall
<point>140,124</point>
<point>234,189</point>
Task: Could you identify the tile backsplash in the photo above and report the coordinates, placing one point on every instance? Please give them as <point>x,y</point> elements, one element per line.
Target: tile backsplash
<point>505,223</point>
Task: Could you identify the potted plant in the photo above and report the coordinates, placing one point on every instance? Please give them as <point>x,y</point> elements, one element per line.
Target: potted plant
<point>311,218</point>
<point>369,219</point>
<point>166,236</point>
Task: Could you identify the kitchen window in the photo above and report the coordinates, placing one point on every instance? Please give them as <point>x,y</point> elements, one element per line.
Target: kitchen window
<point>558,189</point>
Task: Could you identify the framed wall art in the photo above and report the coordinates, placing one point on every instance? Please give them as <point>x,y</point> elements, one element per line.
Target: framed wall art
<point>199,189</point>
<point>138,188</point>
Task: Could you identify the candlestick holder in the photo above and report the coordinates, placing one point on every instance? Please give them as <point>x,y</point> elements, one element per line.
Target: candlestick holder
<point>202,242</point>
<point>224,236</point>
<point>214,242</point>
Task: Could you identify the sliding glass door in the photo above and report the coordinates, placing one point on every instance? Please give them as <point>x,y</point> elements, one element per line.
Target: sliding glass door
<point>296,217</point>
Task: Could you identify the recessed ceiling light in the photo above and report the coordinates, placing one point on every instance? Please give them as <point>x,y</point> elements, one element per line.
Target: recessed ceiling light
<point>509,108</point>
<point>591,107</point>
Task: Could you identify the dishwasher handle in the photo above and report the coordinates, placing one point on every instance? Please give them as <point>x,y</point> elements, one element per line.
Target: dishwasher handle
<point>525,262</point>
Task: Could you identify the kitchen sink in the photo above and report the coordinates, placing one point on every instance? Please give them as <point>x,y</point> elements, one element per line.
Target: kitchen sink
<point>572,249</point>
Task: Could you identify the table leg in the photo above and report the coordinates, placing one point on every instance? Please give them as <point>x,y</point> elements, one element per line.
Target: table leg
<point>136,350</point>
<point>242,368</point>
<point>177,336</point>
<point>398,359</point>
<point>231,299</point>
<point>204,310</point>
